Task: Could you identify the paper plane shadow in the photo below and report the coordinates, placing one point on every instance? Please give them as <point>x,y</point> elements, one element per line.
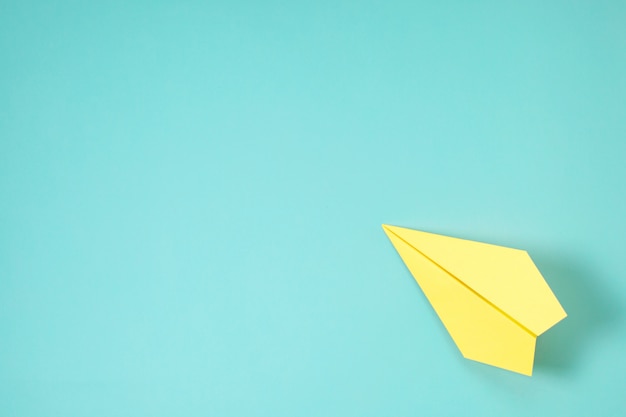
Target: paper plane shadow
<point>590,308</point>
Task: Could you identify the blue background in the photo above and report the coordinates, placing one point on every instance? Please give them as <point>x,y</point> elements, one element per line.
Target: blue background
<point>191,196</point>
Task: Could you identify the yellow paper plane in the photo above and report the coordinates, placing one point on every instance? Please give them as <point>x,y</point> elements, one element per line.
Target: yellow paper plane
<point>492,300</point>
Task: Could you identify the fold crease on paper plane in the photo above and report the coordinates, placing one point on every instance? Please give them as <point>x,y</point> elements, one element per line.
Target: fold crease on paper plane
<point>492,300</point>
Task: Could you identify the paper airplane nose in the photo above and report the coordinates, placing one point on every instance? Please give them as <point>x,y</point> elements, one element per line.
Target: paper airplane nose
<point>492,300</point>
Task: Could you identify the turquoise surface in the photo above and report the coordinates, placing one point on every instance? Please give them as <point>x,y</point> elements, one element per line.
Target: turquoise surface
<point>191,196</point>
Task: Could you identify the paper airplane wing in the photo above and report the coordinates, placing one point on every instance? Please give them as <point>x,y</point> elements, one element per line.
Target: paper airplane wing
<point>492,300</point>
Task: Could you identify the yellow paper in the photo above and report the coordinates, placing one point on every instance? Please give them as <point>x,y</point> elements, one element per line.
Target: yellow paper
<point>492,300</point>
